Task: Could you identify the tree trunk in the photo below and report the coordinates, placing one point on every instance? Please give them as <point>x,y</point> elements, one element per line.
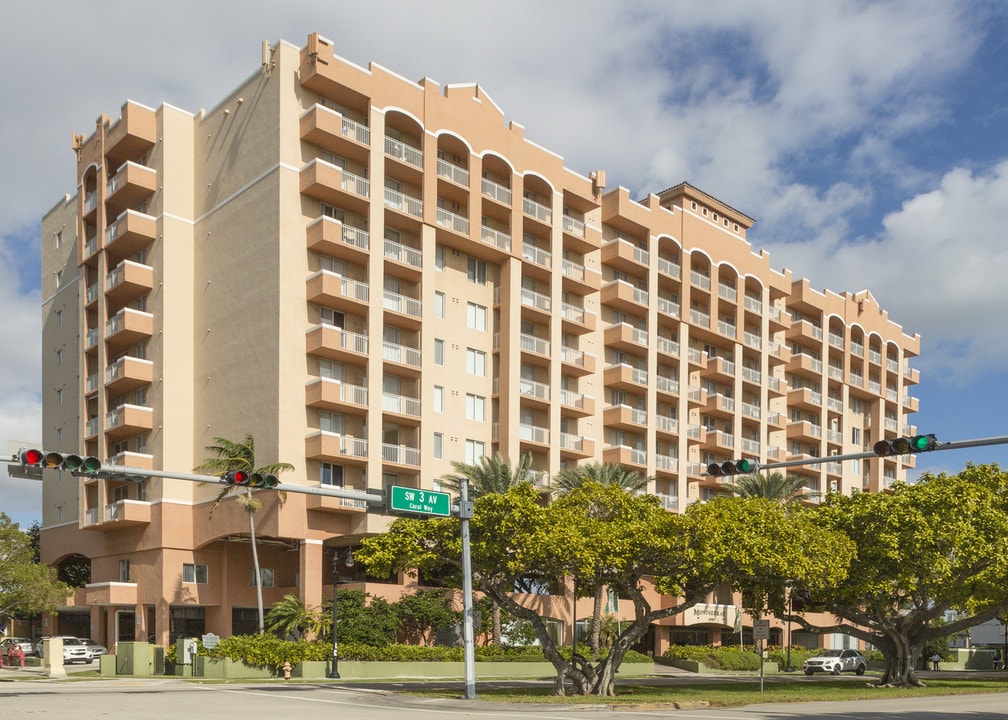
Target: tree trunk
<point>596,623</point>
<point>496,624</point>
<point>255,562</point>
<point>900,658</point>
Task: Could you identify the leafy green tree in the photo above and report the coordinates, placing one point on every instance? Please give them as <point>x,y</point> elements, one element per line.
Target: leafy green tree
<point>423,613</point>
<point>606,474</point>
<point>26,587</point>
<point>922,550</point>
<point>773,486</point>
<point>225,456</point>
<point>606,536</point>
<point>363,619</point>
<point>290,617</point>
<point>491,474</point>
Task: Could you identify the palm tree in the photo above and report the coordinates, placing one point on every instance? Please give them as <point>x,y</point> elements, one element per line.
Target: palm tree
<point>605,474</point>
<point>291,617</point>
<point>228,455</point>
<point>772,486</point>
<point>490,474</point>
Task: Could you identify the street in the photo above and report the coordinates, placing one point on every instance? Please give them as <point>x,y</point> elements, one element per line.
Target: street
<point>157,698</point>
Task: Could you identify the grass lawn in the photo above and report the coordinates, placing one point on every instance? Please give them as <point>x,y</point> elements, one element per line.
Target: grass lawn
<point>733,693</point>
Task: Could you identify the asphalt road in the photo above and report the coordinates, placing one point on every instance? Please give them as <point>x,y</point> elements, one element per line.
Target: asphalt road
<point>158,698</point>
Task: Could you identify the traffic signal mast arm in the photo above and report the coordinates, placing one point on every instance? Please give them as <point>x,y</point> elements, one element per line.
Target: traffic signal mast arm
<point>38,458</point>
<point>937,445</point>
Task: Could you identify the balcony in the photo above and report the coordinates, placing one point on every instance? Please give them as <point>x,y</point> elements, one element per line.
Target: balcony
<point>336,344</point>
<point>128,234</point>
<point>626,256</point>
<point>128,327</point>
<point>805,330</point>
<point>667,425</point>
<point>495,238</point>
<point>322,445</point>
<point>577,362</point>
<point>496,191</point>
<point>576,320</point>
<point>578,279</point>
<point>336,395</point>
<point>329,503</point>
<point>535,350</point>
<point>538,302</point>
<point>538,211</point>
<point>626,377</point>
<point>667,346</point>
<point>806,366</point>
<point>407,358</point>
<point>624,416</point>
<point>335,291</point>
<point>452,172</point>
<point>123,513</point>
<point>669,307</point>
<point>331,237</point>
<point>625,455</point>
<point>670,268</point>
<point>133,134</point>
<point>577,404</point>
<point>453,221</point>
<point>406,308</point>
<point>403,256</point>
<point>335,133</point>
<point>624,296</point>
<point>127,420</point>
<point>625,336</point>
<point>718,368</point>
<point>401,202</point>
<point>667,385</point>
<point>131,185</point>
<point>532,390</point>
<point>128,373</point>
<point>720,406</point>
<point>536,255</point>
<point>533,434</point>
<point>805,398</point>
<point>401,151</point>
<point>403,455</point>
<point>575,446</point>
<point>330,184</point>
<point>804,431</point>
<point>127,281</point>
<point>406,408</point>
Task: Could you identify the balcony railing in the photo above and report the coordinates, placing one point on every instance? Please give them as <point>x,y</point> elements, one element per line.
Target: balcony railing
<point>402,151</point>
<point>572,226</point>
<point>453,172</point>
<point>670,268</point>
<point>394,352</point>
<point>401,404</point>
<point>537,210</point>
<point>667,346</point>
<point>404,203</point>
<point>533,433</point>
<point>534,254</point>
<point>531,343</point>
<point>497,238</point>
<point>496,191</point>
<point>400,454</point>
<point>401,303</point>
<point>453,221</point>
<point>534,389</point>
<point>668,307</point>
<point>403,253</point>
<point>536,300</point>
<point>699,280</point>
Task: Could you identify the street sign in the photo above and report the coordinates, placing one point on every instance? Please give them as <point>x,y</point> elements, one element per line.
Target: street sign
<point>761,629</point>
<point>423,502</point>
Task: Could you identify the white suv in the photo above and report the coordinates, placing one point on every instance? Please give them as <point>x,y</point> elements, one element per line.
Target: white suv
<point>836,662</point>
<point>74,650</point>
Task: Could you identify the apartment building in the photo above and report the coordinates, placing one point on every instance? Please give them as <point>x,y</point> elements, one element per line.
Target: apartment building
<point>376,277</point>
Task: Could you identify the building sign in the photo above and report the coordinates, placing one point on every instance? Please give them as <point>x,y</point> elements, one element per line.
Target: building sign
<point>711,614</point>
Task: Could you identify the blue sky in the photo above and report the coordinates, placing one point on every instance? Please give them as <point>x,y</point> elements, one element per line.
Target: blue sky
<point>868,139</point>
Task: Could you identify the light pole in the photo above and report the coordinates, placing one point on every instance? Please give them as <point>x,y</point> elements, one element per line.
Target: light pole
<point>787,665</point>
<point>334,672</point>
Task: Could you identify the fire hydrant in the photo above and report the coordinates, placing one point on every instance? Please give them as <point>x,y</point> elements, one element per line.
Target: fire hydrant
<point>287,669</point>
<point>16,656</point>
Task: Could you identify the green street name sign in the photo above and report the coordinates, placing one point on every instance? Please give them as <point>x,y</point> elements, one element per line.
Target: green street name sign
<point>424,502</point>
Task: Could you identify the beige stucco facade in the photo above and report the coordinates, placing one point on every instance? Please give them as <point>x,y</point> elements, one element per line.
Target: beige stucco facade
<point>376,277</point>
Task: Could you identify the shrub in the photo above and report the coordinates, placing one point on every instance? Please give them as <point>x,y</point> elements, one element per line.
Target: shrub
<point>715,657</point>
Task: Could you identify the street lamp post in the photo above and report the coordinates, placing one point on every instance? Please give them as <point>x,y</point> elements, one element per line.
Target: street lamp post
<point>787,665</point>
<point>334,672</point>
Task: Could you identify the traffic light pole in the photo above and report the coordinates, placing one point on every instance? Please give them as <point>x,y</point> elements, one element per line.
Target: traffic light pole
<point>950,445</point>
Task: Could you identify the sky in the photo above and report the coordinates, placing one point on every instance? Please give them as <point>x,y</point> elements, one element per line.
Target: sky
<point>868,139</point>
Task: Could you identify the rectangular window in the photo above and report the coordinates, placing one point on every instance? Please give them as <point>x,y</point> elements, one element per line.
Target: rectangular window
<point>330,474</point>
<point>438,352</point>
<point>475,407</point>
<point>265,573</point>
<point>439,305</point>
<point>332,317</point>
<point>331,422</point>
<point>476,362</point>
<point>477,271</point>
<point>438,399</point>
<point>194,573</point>
<point>476,317</point>
<point>438,445</point>
<point>474,451</point>
<point>124,571</point>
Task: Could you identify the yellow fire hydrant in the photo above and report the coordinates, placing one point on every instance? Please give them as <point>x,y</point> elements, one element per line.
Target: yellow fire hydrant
<point>287,669</point>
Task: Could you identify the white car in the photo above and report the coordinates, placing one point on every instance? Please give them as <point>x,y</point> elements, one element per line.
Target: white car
<point>74,650</point>
<point>836,662</point>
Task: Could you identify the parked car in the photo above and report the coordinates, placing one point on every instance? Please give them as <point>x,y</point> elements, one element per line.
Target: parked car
<point>7,643</point>
<point>836,662</point>
<point>96,648</point>
<point>74,650</point>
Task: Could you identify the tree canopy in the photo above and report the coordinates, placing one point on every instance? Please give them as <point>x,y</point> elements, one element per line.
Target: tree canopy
<point>26,587</point>
<point>602,535</point>
<point>772,485</point>
<point>922,550</point>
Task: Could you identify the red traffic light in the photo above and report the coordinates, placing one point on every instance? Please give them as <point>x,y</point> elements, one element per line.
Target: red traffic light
<point>31,457</point>
<point>236,477</point>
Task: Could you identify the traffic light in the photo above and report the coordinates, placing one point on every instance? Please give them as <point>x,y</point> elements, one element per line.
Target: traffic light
<point>744,466</point>
<point>236,477</point>
<point>905,445</point>
<point>263,480</point>
<point>72,463</point>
